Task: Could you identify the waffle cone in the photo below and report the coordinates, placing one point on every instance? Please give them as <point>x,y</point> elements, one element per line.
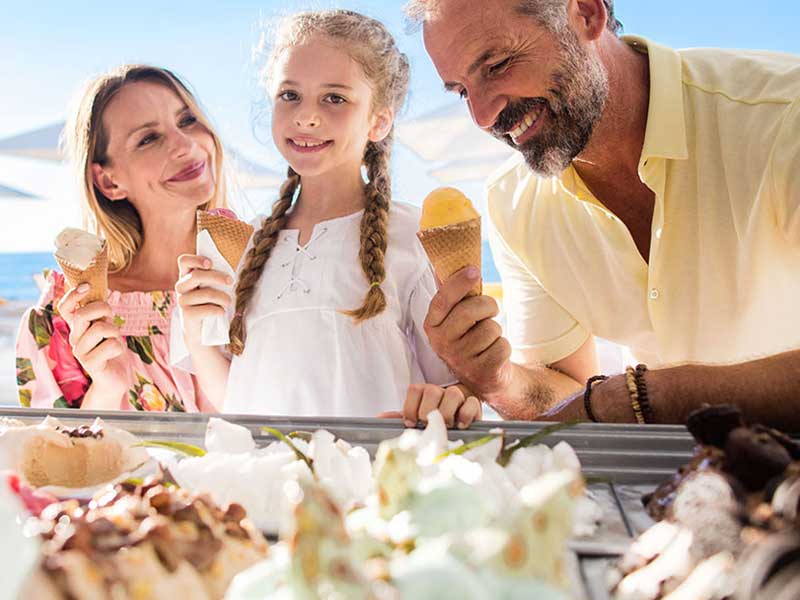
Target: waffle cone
<point>96,275</point>
<point>453,247</point>
<point>229,235</point>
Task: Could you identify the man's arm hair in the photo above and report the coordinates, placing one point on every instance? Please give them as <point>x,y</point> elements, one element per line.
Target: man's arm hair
<point>766,390</point>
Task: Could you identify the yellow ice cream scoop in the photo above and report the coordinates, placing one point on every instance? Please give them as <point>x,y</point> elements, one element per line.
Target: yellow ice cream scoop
<point>450,232</point>
<point>446,206</point>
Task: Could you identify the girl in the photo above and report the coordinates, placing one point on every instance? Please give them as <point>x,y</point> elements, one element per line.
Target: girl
<point>147,159</point>
<point>332,294</point>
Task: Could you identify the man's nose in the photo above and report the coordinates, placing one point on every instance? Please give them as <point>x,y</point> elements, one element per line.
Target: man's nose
<point>485,108</point>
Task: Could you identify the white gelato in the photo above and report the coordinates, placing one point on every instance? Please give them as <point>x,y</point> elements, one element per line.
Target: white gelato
<point>18,550</point>
<point>78,247</point>
<point>233,464</point>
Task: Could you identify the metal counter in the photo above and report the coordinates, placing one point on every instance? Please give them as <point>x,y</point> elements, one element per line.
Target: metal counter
<point>632,459</point>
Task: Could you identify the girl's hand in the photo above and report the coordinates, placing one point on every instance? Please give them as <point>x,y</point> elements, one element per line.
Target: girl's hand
<point>96,342</point>
<point>457,410</point>
<point>197,299</point>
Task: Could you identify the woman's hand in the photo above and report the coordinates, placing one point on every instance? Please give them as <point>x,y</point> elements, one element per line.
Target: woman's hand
<point>96,343</point>
<point>196,296</point>
<point>457,410</point>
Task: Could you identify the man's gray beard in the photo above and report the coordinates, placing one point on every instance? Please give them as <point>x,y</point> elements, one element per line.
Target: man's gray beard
<point>578,94</point>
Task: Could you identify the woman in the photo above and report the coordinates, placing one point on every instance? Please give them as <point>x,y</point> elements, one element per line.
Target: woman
<point>147,159</point>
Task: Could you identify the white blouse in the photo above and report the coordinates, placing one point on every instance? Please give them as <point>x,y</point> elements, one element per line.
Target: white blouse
<point>304,357</point>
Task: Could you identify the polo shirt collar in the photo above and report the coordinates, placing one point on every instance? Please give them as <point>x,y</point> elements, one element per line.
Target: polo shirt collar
<point>665,135</point>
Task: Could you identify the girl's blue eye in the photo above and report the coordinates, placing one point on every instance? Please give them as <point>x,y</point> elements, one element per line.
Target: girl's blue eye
<point>335,99</point>
<point>288,96</point>
<point>188,120</point>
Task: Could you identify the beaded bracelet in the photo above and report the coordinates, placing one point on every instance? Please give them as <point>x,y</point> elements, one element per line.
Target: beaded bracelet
<point>630,381</point>
<point>587,396</point>
<point>641,392</point>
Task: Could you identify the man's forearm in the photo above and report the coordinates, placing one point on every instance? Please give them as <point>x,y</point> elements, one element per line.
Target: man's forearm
<point>766,390</point>
<point>531,392</point>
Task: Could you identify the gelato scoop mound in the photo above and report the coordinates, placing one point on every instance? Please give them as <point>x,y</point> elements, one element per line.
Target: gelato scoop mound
<point>78,247</point>
<point>446,206</point>
<point>450,232</point>
<point>83,257</point>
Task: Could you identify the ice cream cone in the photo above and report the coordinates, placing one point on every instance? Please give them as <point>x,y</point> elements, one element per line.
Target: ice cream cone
<point>451,248</point>
<point>229,234</point>
<point>96,275</point>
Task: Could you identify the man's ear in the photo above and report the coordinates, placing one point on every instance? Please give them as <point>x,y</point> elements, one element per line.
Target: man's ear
<point>104,181</point>
<point>587,18</point>
<point>382,121</point>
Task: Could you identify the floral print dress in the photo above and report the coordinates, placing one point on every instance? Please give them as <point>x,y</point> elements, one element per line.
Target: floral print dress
<point>49,375</point>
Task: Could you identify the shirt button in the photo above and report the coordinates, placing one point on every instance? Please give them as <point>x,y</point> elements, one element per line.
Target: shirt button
<point>654,294</point>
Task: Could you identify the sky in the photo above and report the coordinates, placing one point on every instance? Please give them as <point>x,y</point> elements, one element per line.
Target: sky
<point>48,48</point>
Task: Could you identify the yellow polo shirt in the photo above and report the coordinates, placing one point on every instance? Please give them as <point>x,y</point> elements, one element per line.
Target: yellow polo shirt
<point>722,154</point>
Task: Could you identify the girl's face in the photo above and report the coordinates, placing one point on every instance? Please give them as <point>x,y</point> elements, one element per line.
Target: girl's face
<point>323,117</point>
<point>159,156</point>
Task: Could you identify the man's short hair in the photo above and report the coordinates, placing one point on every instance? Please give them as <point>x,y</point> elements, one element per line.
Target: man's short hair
<point>550,13</point>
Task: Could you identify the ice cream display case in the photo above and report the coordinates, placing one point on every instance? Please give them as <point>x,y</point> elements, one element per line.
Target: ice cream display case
<point>619,464</point>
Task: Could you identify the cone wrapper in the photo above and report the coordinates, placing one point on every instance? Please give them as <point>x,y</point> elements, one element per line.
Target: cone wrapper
<point>96,275</point>
<point>214,330</point>
<point>452,247</point>
<point>230,236</point>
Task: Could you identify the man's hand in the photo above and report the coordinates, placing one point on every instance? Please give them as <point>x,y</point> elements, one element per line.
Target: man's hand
<point>463,333</point>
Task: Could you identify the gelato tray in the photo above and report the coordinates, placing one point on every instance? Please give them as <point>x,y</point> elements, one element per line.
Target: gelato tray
<point>619,462</point>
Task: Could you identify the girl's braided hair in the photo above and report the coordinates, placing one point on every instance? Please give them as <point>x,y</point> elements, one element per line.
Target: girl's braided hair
<point>370,44</point>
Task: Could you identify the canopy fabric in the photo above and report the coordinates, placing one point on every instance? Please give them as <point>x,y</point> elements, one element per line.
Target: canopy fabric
<point>447,137</point>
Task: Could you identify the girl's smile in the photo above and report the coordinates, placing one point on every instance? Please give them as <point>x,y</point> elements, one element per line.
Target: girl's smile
<point>307,144</point>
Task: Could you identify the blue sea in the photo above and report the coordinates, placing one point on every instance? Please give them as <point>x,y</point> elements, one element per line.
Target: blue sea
<point>17,270</point>
<point>16,274</point>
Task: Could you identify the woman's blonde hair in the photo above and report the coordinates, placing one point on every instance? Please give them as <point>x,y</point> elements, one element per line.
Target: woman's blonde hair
<point>86,142</point>
<point>370,44</point>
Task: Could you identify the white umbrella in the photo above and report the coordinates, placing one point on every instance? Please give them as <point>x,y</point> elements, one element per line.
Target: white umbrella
<point>456,149</point>
<point>252,175</point>
<point>449,134</point>
<point>10,193</point>
<point>457,171</point>
<point>43,144</point>
<point>39,143</point>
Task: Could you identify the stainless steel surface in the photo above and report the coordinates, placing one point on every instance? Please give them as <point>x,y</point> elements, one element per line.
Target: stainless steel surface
<point>624,461</point>
<point>622,454</point>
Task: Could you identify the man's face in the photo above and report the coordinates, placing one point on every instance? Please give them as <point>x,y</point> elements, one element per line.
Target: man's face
<point>540,92</point>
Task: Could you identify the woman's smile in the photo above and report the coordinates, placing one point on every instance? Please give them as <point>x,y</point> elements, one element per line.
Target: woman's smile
<point>193,170</point>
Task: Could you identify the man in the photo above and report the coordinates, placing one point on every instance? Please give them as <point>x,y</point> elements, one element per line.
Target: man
<point>655,203</point>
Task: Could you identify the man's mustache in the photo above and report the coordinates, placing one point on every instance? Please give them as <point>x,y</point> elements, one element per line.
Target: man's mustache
<point>512,114</point>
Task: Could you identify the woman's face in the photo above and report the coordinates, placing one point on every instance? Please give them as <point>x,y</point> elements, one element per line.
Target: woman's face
<point>322,117</point>
<point>159,155</point>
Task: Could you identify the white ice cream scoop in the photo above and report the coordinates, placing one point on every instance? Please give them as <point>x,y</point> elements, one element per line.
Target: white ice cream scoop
<point>77,247</point>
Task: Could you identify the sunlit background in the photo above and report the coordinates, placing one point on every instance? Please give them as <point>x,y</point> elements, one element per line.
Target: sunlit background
<point>47,49</point>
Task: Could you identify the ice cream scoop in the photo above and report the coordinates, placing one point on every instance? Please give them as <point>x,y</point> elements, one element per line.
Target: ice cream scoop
<point>450,232</point>
<point>83,257</point>
<point>446,206</point>
<point>78,247</point>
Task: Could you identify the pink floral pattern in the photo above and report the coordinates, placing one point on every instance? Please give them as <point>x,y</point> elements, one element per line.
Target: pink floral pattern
<point>67,371</point>
<point>49,375</point>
